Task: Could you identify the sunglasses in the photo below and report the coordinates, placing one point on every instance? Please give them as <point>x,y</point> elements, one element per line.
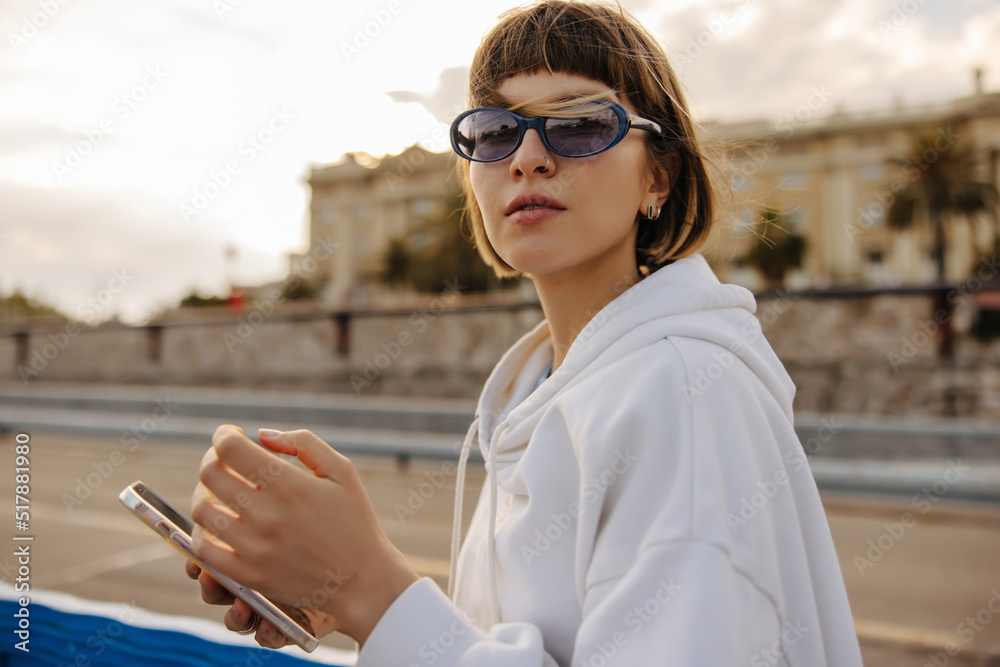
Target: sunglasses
<point>488,134</point>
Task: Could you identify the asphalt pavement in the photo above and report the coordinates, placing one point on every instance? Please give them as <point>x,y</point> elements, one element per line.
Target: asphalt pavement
<point>918,587</point>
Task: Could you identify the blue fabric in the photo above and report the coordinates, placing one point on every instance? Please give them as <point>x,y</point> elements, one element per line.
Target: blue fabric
<point>79,640</point>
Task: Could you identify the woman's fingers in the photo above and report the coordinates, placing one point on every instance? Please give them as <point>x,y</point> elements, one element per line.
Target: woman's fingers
<point>214,518</point>
<point>213,592</point>
<point>240,617</point>
<point>269,637</point>
<point>247,459</point>
<point>223,482</point>
<point>318,456</point>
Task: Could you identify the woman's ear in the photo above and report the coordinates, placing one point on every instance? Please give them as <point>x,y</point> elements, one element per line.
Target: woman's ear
<point>664,174</point>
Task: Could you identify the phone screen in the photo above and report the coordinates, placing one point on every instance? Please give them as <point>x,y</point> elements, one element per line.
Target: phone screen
<point>173,515</point>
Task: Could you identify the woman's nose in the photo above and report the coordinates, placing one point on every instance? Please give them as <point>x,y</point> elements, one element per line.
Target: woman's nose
<point>531,156</point>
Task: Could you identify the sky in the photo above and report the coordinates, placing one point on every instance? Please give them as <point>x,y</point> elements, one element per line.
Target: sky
<point>151,149</point>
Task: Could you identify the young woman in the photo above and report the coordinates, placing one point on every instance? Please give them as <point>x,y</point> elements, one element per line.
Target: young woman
<point>647,499</point>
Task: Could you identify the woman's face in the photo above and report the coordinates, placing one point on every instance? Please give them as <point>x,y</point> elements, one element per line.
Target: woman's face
<point>547,215</point>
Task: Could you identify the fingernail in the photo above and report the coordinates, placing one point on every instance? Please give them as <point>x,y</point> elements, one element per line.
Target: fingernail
<point>269,433</point>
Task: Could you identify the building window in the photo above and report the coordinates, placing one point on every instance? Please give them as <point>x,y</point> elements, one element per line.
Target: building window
<point>329,214</point>
<point>421,206</point>
<point>795,180</point>
<point>873,172</point>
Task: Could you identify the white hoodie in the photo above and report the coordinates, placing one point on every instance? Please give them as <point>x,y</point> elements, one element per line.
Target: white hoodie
<point>650,504</point>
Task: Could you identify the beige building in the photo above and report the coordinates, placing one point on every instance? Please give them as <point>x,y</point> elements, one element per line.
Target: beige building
<point>359,205</point>
<point>833,180</point>
<point>829,176</point>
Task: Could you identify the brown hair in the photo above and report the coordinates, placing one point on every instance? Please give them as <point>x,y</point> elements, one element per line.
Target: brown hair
<point>607,45</point>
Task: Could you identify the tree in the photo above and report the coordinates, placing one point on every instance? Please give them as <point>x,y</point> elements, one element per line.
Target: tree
<point>438,250</point>
<point>17,306</point>
<point>195,300</point>
<point>941,181</point>
<point>777,249</point>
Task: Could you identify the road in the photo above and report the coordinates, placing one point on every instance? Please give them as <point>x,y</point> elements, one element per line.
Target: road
<point>919,572</point>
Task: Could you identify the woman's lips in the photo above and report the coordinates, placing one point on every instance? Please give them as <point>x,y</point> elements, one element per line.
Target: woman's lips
<point>531,216</point>
<point>530,209</point>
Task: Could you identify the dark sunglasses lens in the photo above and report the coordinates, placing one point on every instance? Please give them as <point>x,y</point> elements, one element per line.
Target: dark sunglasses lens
<point>583,135</point>
<point>488,134</point>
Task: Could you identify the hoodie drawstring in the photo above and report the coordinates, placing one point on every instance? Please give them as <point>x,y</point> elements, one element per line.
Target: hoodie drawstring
<point>491,535</point>
<point>456,528</point>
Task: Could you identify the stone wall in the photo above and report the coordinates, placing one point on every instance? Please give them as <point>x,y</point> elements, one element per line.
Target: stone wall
<point>864,354</point>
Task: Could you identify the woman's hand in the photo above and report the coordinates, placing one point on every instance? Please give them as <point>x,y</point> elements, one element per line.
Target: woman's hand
<point>306,540</point>
<point>241,617</point>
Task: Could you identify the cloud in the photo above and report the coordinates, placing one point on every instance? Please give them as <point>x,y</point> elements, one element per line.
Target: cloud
<point>447,100</point>
<point>762,58</point>
<point>64,248</point>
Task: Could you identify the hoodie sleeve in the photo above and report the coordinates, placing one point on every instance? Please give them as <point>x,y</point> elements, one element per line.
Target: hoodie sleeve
<point>422,627</point>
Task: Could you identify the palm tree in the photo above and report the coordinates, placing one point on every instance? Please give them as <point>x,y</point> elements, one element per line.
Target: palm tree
<point>941,173</point>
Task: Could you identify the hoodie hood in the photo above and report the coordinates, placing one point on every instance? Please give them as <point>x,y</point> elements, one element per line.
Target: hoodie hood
<point>684,298</point>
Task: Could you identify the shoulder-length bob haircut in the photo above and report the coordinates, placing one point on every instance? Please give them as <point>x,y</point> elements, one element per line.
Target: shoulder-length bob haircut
<point>604,44</point>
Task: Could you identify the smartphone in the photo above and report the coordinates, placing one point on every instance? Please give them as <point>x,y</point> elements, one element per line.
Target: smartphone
<point>173,526</point>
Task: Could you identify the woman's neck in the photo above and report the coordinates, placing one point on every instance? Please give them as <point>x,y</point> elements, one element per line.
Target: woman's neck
<point>571,300</point>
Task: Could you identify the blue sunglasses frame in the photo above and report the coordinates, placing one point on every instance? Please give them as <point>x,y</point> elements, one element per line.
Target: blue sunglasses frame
<point>626,121</point>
